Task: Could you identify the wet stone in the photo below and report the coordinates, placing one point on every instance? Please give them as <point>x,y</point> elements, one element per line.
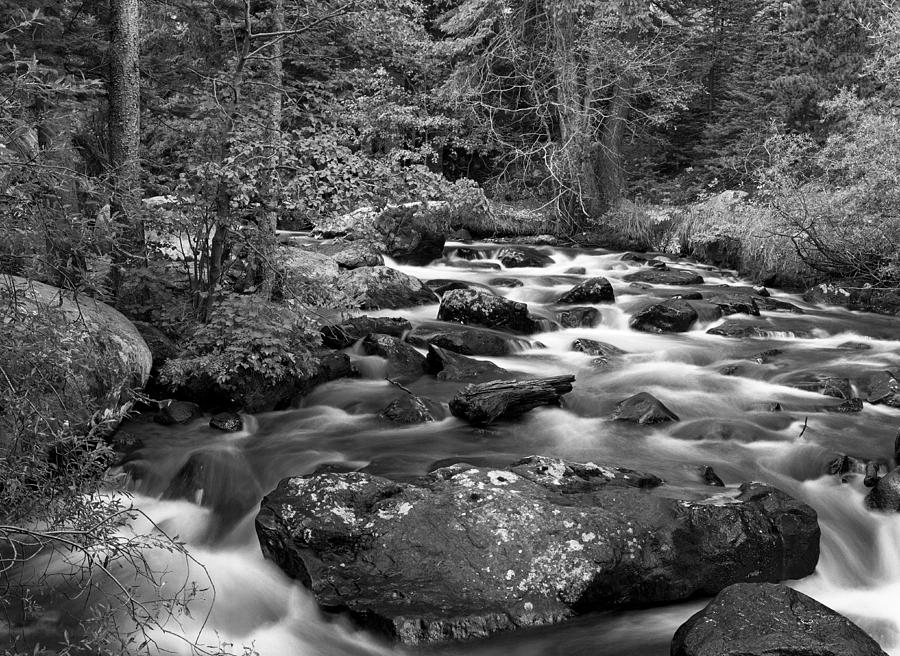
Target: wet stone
<point>594,290</point>
<point>229,422</point>
<point>764,619</point>
<point>579,317</point>
<point>505,282</point>
<point>441,558</point>
<point>643,408</point>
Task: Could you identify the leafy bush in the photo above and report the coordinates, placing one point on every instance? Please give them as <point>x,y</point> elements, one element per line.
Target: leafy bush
<point>245,339</point>
<point>839,204</point>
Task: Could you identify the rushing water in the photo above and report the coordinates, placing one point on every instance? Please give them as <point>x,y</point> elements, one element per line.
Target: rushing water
<point>726,422</point>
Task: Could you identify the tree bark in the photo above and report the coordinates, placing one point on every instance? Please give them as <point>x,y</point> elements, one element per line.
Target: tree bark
<point>272,140</point>
<point>124,123</point>
<point>505,399</point>
<point>609,171</point>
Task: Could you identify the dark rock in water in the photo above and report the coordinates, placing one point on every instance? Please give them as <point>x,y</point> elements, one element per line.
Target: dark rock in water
<point>472,306</point>
<point>848,406</point>
<point>441,286</point>
<point>855,346</point>
<point>218,479</point>
<point>665,317</point>
<point>594,290</point>
<point>710,477</point>
<point>687,296</point>
<point>468,551</point>
<point>348,332</point>
<point>506,399</point>
<point>764,357</point>
<point>643,408</point>
<point>824,384</point>
<point>591,347</point>
<point>447,365</point>
<point>520,256</point>
<point>735,304</point>
<point>172,412</point>
<point>871,475</point>
<point>579,317</point>
<point>766,619</point>
<point>402,359</point>
<point>657,264</point>
<point>576,271</point>
<point>775,305</point>
<point>665,277</point>
<point>412,409</point>
<point>475,264</point>
<point>382,287</point>
<point>467,253</point>
<point>866,299</point>
<point>505,282</point>
<point>736,330</point>
<point>633,257</point>
<point>229,422</point>
<point>468,340</point>
<point>884,388</point>
<point>759,290</point>
<point>885,495</point>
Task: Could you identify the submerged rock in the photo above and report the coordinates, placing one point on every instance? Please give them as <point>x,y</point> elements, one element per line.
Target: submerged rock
<point>643,408</point>
<point>764,619</point>
<point>664,276</point>
<point>412,409</point>
<point>505,282</point>
<point>468,340</point>
<point>402,359</point>
<point>884,388</point>
<point>447,365</point>
<point>507,399</point>
<point>673,316</point>
<point>579,317</point>
<point>735,304</point>
<point>472,306</point>
<point>594,290</point>
<point>228,422</point>
<point>467,551</point>
<point>173,412</point>
<point>521,256</point>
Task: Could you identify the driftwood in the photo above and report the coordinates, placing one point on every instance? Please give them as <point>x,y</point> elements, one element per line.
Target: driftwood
<point>505,399</point>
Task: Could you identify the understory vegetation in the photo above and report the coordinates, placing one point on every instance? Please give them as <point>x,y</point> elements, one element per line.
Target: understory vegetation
<point>150,151</point>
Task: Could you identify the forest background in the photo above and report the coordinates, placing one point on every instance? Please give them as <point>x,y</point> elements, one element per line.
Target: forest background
<point>763,135</point>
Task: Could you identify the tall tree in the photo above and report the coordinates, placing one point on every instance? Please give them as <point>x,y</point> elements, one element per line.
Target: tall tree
<point>124,86</point>
<point>562,83</point>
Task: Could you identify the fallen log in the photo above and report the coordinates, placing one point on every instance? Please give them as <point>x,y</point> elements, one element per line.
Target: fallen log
<point>506,399</point>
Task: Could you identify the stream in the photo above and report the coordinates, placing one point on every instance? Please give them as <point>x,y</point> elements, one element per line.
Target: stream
<point>722,390</point>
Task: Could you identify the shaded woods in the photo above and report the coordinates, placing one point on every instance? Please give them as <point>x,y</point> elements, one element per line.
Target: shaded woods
<point>156,156</point>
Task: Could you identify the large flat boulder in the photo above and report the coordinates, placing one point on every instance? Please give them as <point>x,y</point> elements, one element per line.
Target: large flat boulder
<point>381,287</point>
<point>466,551</point>
<point>664,276</point>
<point>764,619</point>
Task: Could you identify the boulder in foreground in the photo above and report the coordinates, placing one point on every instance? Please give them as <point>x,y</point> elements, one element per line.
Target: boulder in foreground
<point>467,551</point>
<point>764,619</point>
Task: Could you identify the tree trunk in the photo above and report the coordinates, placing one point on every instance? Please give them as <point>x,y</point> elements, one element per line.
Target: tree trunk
<point>124,124</point>
<point>272,140</point>
<point>609,171</point>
